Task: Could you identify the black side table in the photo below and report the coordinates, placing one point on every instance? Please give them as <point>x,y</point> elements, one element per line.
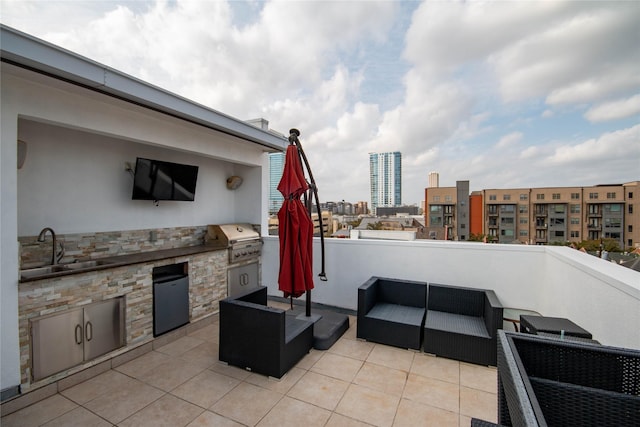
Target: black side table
<point>553,325</point>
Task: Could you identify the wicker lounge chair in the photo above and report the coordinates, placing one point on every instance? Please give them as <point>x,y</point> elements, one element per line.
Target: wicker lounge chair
<point>260,338</point>
<point>392,312</point>
<point>462,324</point>
<point>545,381</point>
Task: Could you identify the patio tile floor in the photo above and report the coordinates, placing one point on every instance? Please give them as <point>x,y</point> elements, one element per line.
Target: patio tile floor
<point>354,383</point>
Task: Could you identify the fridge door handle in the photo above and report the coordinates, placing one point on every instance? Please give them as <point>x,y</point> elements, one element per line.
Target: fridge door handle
<point>88,331</point>
<point>78,334</point>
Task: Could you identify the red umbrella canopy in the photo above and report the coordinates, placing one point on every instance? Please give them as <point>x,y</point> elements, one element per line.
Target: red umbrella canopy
<point>295,230</point>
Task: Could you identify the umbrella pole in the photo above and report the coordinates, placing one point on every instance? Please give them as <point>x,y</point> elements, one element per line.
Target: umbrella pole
<point>293,139</point>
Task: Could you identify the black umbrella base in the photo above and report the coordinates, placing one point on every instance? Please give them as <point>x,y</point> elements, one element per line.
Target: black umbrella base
<point>328,326</point>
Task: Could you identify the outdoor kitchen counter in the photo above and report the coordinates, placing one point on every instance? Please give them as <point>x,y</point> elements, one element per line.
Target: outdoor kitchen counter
<point>128,259</point>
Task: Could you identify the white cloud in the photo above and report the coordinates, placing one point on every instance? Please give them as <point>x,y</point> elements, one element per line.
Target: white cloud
<point>614,110</point>
<point>509,140</point>
<point>621,145</point>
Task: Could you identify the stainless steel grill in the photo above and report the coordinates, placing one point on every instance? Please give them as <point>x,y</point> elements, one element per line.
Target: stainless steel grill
<point>242,240</point>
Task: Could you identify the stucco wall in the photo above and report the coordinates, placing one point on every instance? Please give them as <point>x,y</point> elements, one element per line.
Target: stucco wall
<point>75,181</point>
<point>554,281</point>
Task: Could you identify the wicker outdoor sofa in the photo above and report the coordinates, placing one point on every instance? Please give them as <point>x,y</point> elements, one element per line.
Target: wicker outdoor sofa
<point>552,382</point>
<point>449,321</point>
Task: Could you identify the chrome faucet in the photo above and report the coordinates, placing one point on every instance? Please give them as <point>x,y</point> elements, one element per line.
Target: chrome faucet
<point>55,257</point>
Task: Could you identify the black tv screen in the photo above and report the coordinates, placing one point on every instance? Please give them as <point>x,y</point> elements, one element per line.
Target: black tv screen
<point>158,180</point>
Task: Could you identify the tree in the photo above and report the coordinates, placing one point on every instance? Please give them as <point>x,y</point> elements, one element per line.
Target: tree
<point>609,245</point>
<point>375,226</point>
<point>477,237</point>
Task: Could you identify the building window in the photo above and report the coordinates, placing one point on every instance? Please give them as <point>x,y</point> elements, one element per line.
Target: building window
<point>524,196</point>
<point>523,209</point>
<point>559,209</point>
<point>575,221</point>
<point>493,209</point>
<point>524,232</point>
<point>630,228</point>
<point>630,209</point>
<point>559,233</point>
<point>575,208</point>
<point>524,220</point>
<point>575,196</point>
<point>506,221</point>
<point>630,195</point>
<point>593,195</point>
<point>447,198</point>
<point>611,195</point>
<point>575,234</point>
<point>506,233</point>
<point>492,197</point>
<point>436,198</point>
<point>555,196</point>
<point>463,226</point>
<point>506,197</point>
<point>539,196</point>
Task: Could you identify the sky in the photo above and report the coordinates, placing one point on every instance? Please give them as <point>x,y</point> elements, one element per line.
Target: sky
<point>504,94</point>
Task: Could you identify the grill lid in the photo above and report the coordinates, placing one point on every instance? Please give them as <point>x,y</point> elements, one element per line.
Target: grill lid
<point>230,234</point>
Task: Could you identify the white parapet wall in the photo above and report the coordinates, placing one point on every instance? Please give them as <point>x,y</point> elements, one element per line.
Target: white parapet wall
<point>555,281</point>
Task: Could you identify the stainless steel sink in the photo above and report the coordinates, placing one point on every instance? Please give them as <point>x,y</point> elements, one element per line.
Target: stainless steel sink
<point>49,269</point>
<point>85,264</point>
<point>41,271</point>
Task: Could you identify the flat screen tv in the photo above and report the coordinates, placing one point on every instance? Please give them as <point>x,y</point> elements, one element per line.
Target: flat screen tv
<point>158,180</point>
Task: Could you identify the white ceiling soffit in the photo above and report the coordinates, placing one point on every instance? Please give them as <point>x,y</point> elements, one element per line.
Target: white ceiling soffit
<point>28,52</point>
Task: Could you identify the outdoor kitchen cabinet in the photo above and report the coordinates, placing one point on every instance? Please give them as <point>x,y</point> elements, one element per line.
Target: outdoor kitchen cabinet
<point>61,341</point>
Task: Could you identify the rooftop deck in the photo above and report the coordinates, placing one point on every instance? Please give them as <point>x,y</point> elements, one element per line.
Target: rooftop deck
<point>355,383</point>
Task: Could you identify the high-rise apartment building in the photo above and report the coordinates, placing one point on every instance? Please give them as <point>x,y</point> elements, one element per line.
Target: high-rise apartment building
<point>551,215</point>
<point>276,166</point>
<point>385,172</point>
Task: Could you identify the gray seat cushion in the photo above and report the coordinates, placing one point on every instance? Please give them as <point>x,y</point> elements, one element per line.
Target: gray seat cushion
<point>294,327</point>
<point>456,323</point>
<point>397,313</point>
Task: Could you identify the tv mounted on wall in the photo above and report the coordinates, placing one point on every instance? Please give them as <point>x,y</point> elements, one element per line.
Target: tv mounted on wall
<point>158,180</point>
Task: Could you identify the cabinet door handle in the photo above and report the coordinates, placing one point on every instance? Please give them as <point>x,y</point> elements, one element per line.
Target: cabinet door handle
<point>78,333</point>
<point>88,331</point>
<point>244,279</point>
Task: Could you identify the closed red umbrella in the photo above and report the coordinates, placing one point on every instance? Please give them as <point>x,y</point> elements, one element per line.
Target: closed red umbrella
<point>295,230</point>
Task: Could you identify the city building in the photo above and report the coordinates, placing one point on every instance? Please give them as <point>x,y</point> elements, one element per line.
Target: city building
<point>434,180</point>
<point>447,212</point>
<point>385,171</point>
<point>395,210</point>
<point>276,166</point>
<point>553,215</point>
<point>361,208</point>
